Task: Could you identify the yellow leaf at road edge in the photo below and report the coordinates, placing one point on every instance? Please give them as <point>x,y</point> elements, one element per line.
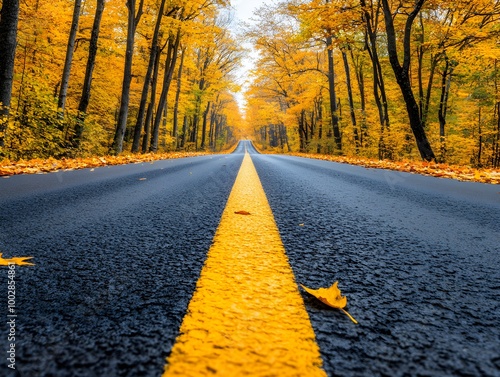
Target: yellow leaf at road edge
<point>20,261</point>
<point>331,297</point>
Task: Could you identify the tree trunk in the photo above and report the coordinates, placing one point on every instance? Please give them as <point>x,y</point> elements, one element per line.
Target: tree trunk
<point>171,59</point>
<point>121,126</point>
<point>204,126</point>
<point>496,156</point>
<point>379,93</point>
<point>443,106</point>
<point>351,100</point>
<point>425,110</point>
<point>302,132</point>
<point>175,127</point>
<point>149,113</point>
<point>87,82</point>
<point>496,143</point>
<point>358,69</point>
<point>147,79</point>
<point>420,60</point>
<point>184,131</point>
<point>480,139</point>
<point>69,57</point>
<point>9,16</point>
<point>333,97</point>
<point>144,99</point>
<point>402,76</point>
<point>196,116</point>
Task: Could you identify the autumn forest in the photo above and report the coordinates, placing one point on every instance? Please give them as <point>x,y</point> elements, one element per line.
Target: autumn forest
<point>409,79</point>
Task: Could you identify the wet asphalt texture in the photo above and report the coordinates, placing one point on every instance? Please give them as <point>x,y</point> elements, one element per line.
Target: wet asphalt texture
<point>118,256</point>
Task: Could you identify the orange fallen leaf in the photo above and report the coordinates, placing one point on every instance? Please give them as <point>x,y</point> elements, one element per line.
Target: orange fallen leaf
<point>243,213</point>
<point>20,261</point>
<point>332,297</point>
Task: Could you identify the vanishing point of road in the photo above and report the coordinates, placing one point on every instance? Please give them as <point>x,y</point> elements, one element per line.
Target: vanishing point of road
<point>190,267</point>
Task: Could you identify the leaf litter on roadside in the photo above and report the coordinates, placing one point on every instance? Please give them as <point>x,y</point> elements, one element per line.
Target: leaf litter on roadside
<point>332,297</point>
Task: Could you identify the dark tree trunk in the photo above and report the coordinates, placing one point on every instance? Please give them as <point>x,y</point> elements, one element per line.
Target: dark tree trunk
<point>149,113</point>
<point>173,47</point>
<point>69,57</point>
<point>175,127</point>
<point>121,126</point>
<point>443,106</point>
<point>420,66</point>
<point>9,16</point>
<point>319,112</point>
<point>302,132</point>
<point>480,139</point>
<point>361,87</point>
<point>144,99</point>
<point>147,79</point>
<point>496,143</point>
<point>496,154</point>
<point>198,97</point>
<point>213,116</point>
<point>333,97</point>
<point>351,100</point>
<point>371,19</point>
<point>87,82</point>
<point>184,131</point>
<point>402,76</point>
<point>204,126</point>
<point>425,109</point>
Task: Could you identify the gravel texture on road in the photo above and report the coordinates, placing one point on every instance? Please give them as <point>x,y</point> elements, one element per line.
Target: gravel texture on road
<point>118,251</point>
<point>417,257</point>
<point>117,254</point>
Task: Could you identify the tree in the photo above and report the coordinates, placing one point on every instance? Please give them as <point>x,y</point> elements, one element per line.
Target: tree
<point>402,73</point>
<point>8,38</point>
<point>154,51</point>
<point>87,82</point>
<point>133,20</point>
<point>170,62</point>
<point>371,17</point>
<point>69,57</point>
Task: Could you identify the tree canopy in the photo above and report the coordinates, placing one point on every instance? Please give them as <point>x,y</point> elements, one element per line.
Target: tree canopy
<point>411,79</point>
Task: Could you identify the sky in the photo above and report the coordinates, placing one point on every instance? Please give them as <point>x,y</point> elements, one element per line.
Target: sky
<point>243,13</point>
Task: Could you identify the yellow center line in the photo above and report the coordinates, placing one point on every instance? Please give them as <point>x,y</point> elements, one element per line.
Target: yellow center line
<point>246,316</point>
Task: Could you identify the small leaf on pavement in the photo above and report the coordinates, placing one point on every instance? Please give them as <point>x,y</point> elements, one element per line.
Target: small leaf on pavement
<point>20,261</point>
<point>331,296</point>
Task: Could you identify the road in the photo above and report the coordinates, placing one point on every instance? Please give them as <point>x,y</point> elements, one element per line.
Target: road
<point>118,252</point>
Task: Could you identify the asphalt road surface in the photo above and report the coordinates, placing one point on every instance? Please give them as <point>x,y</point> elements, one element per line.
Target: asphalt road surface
<point>118,251</point>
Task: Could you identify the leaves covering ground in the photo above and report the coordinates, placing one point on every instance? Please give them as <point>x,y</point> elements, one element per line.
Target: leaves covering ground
<point>39,165</point>
<point>461,173</point>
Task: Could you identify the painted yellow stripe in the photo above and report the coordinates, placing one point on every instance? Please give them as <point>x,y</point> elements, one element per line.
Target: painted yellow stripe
<point>246,317</point>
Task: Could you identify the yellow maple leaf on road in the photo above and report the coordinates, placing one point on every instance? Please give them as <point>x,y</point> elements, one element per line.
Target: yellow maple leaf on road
<point>331,296</point>
<point>20,261</point>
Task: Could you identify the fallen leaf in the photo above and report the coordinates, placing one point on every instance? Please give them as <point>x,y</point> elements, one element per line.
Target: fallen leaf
<point>331,297</point>
<point>142,179</point>
<point>20,261</point>
<point>243,213</point>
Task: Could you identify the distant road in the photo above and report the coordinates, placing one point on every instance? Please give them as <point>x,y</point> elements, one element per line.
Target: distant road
<point>118,251</point>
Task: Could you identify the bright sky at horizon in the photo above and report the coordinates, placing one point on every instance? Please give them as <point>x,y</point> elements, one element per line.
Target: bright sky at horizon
<point>244,10</point>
